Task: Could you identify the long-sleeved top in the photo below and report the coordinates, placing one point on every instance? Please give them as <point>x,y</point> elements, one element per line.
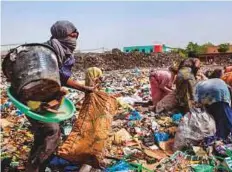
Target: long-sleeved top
<point>66,70</point>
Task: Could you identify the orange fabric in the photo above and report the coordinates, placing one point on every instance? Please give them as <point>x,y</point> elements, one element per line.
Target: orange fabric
<point>227,77</point>
<point>87,141</point>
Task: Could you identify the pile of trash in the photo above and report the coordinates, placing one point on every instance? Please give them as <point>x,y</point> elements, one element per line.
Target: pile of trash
<point>120,60</point>
<point>15,136</point>
<point>139,140</point>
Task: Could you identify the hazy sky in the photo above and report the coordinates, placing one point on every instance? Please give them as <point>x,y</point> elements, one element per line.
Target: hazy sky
<point>118,24</point>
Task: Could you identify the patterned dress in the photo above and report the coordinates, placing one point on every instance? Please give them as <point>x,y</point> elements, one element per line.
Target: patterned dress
<point>185,82</point>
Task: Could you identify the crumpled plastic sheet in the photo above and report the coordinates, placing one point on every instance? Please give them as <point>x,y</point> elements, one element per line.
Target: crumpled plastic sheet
<point>121,166</point>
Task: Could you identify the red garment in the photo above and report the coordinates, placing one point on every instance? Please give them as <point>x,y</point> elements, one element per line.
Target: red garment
<point>228,69</point>
<point>227,77</point>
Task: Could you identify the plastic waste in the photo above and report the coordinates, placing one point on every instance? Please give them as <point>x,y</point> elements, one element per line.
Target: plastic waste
<point>228,162</point>
<point>135,115</point>
<point>161,136</point>
<point>154,147</point>
<point>121,166</point>
<point>128,151</point>
<point>124,105</point>
<point>18,112</point>
<point>202,168</point>
<point>48,169</point>
<point>177,117</point>
<point>121,136</point>
<point>5,105</point>
<point>109,90</point>
<point>155,126</point>
<point>221,149</point>
<point>130,100</point>
<point>137,71</point>
<point>14,164</point>
<point>194,127</point>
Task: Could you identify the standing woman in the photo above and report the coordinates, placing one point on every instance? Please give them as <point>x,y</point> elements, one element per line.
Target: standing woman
<point>185,82</point>
<point>161,82</point>
<point>47,135</point>
<point>214,95</point>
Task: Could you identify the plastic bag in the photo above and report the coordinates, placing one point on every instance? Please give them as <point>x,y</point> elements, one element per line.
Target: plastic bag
<point>161,136</point>
<point>202,168</point>
<point>135,116</point>
<point>176,118</point>
<point>194,127</point>
<point>120,166</point>
<point>87,141</point>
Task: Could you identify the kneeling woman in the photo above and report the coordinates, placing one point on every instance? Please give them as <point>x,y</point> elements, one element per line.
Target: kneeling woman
<point>214,95</point>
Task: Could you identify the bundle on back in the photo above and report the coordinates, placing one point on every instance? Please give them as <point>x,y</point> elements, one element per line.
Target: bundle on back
<point>87,141</point>
<point>33,72</point>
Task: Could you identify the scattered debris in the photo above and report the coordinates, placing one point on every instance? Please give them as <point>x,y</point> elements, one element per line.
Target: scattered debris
<point>139,140</point>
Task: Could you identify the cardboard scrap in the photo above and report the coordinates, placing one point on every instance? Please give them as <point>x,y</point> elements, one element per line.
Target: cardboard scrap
<point>157,154</point>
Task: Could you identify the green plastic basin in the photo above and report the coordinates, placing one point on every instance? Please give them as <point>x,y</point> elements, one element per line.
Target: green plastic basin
<point>67,107</point>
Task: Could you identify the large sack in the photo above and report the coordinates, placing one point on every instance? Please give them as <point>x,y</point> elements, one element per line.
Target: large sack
<point>87,141</point>
<point>194,127</point>
<point>169,102</point>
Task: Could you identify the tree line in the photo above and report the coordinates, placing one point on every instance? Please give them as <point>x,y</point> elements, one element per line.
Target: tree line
<point>201,49</point>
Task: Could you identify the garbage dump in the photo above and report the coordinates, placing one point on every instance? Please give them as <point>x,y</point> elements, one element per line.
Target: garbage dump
<point>139,139</point>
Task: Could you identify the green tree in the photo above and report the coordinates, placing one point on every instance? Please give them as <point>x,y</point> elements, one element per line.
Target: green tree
<point>223,48</point>
<point>180,51</point>
<point>192,47</point>
<point>195,48</point>
<point>198,49</point>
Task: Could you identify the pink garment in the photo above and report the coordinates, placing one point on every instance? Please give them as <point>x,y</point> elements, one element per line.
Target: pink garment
<point>158,80</point>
